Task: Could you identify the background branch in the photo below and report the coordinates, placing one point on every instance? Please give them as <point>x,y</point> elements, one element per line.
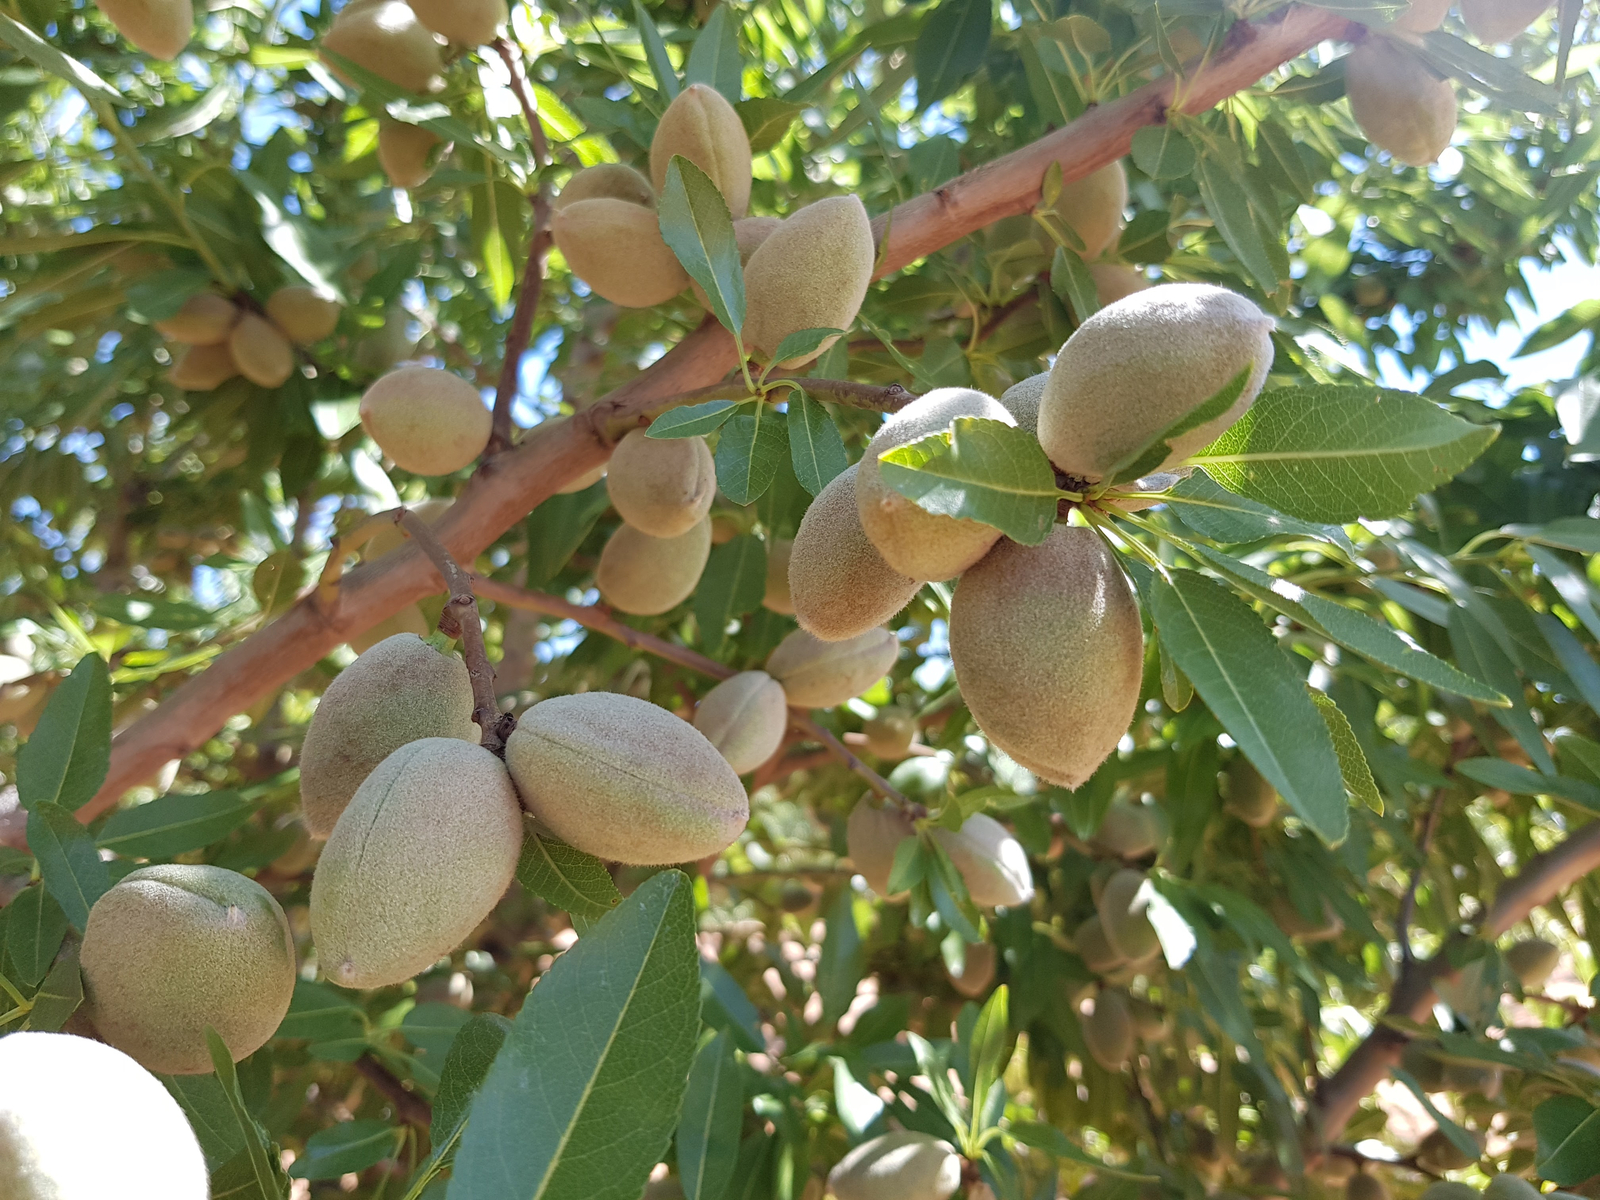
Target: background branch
<point>408,1106</point>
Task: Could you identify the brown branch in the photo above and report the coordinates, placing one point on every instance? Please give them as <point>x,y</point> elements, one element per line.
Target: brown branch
<point>524,476</point>
<point>460,620</point>
<point>808,724</point>
<point>1408,903</point>
<point>408,1106</point>
<point>533,270</point>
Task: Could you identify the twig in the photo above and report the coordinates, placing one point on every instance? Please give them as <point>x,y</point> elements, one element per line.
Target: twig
<point>533,270</point>
<point>1408,903</point>
<point>460,620</point>
<point>888,398</point>
<point>597,619</point>
<point>408,1106</point>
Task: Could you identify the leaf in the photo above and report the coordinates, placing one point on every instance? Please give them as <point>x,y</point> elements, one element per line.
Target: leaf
<point>1569,584</point>
<point>1573,658</point>
<point>1163,153</point>
<point>696,420</point>
<point>350,1146</point>
<point>981,470</point>
<point>471,1055</point>
<point>839,971</point>
<point>1520,781</point>
<point>575,882</point>
<point>1149,457</point>
<point>1368,637</point>
<point>1568,1129</point>
<point>733,583</point>
<point>695,223</point>
<point>858,1107</point>
<point>320,1013</point>
<point>1073,285</point>
<point>583,1097</point>
<point>1459,1137</point>
<point>767,120</point>
<point>293,238</point>
<point>1334,454</point>
<point>1218,514</point>
<point>1053,1142</point>
<point>724,1005</point>
<point>1481,655</point>
<point>205,1104</point>
<point>558,527</point>
<point>708,1129</point>
<point>35,927</point>
<point>152,613</point>
<point>655,52</point>
<point>1353,766</point>
<point>66,759</point>
<point>1564,533</point>
<point>802,343</point>
<point>262,1169</point>
<point>58,996</point>
<point>1229,205</point>
<point>175,823</point>
<point>714,58</point>
<point>989,1048</point>
<point>951,45</point>
<point>815,448</point>
<point>70,864</point>
<point>29,44</point>
<point>431,1029</point>
<point>748,454</point>
<point>1251,687</point>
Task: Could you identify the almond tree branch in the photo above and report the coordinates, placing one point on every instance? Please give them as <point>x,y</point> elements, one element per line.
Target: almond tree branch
<point>512,483</point>
<point>1408,903</point>
<point>408,1106</point>
<point>888,398</point>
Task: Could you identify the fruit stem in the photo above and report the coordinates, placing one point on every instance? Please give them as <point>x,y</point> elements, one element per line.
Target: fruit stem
<point>460,620</point>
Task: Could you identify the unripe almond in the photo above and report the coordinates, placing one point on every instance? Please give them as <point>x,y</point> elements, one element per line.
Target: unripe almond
<point>1093,207</point>
<point>1022,401</point>
<point>408,620</point>
<point>1138,366</point>
<point>465,22</point>
<point>646,575</point>
<point>263,354</point>
<point>777,597</point>
<point>703,127</point>
<point>1149,1022</point>
<point>429,421</point>
<point>1423,16</point>
<point>161,28</point>
<point>55,1089</point>
<point>1129,830</point>
<point>661,486</point>
<point>748,233</point>
<point>379,349</point>
<point>903,1165</point>
<point>405,152</point>
<point>423,853</point>
<point>606,181</point>
<point>302,315</point>
<point>1400,104</point>
<point>872,836</point>
<point>890,733</point>
<point>977,970</point>
<point>1495,22</point>
<point>1095,948</point>
<point>811,272</point>
<point>1439,1153</point>
<point>204,320</point>
<point>1116,281</point>
<point>172,949</point>
<point>1533,961</point>
<point>617,249</point>
<point>992,862</point>
<point>1049,651</point>
<point>1108,1031</point>
<point>915,542</point>
<point>1248,795</point>
<point>1123,908</point>
<point>400,690</point>
<point>625,780</point>
<point>385,37</point>
<point>744,718</point>
<point>818,674</point>
<point>839,584</point>
<point>203,368</point>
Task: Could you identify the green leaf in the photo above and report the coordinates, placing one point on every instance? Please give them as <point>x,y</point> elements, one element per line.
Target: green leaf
<point>802,343</point>
<point>1481,655</point>
<point>695,224</point>
<point>58,996</point>
<point>1149,457</point>
<point>733,583</point>
<point>655,52</point>
<point>1228,203</point>
<point>66,759</point>
<point>1568,1129</point>
<point>951,45</point>
<point>1216,513</point>
<point>1351,629</point>
<point>1073,285</point>
<point>319,1012</point>
<point>350,1146</point>
<point>839,971</point>
<point>1252,688</point>
<point>1459,1137</point>
<point>583,1097</point>
<point>695,420</point>
<point>910,866</point>
<point>989,1049</point>
<point>748,454</point>
<point>714,58</point>
<point>205,1103</point>
<point>767,120</point>
<point>1582,317</point>
<point>724,1005</point>
<point>981,470</point>
<point>175,823</point>
<point>431,1028</point>
<point>857,1106</point>
<point>1353,766</point>
<point>471,1055</point>
<point>557,528</point>
<point>34,930</point>
<point>261,1166</point>
<point>68,861</point>
<point>708,1129</point>
<point>1335,454</point>
<point>575,882</point>
<point>1520,781</point>
<point>1162,153</point>
<point>1564,533</point>
<point>1572,657</point>
<point>29,44</point>
<point>151,613</point>
<point>1056,1144</point>
<point>815,448</point>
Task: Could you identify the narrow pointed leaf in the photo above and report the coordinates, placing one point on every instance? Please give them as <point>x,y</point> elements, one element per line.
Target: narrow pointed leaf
<point>950,46</point>
<point>714,58</point>
<point>734,581</point>
<point>35,926</point>
<point>1353,766</point>
<point>1149,458</point>
<point>1568,1129</point>
<point>66,759</point>
<point>815,447</point>
<point>68,860</point>
<point>696,225</point>
<point>1214,512</point>
<point>981,470</point>
<point>575,882</point>
<point>749,453</point>
<point>708,1129</point>
<point>58,996</point>
<point>696,420</point>
<point>1481,655</point>
<point>175,823</point>
<point>29,44</point>
<point>655,52</point>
